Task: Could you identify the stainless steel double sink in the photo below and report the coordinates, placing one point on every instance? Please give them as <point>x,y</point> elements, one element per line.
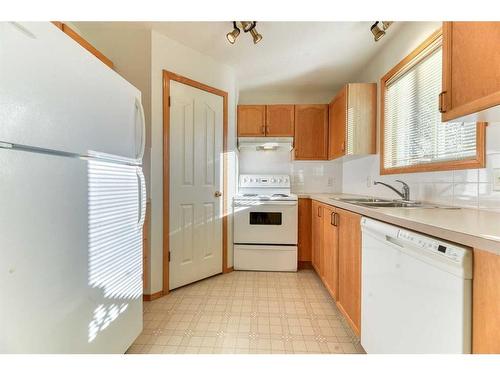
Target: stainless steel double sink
<point>380,203</point>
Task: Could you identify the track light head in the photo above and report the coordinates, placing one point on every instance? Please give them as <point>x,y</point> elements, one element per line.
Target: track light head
<point>231,37</point>
<point>377,31</point>
<point>255,35</point>
<point>248,25</point>
<point>386,24</point>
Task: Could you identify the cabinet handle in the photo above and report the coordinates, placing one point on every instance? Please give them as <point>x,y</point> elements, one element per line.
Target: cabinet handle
<point>332,219</point>
<point>343,146</point>
<point>263,128</point>
<point>441,99</point>
<point>319,211</point>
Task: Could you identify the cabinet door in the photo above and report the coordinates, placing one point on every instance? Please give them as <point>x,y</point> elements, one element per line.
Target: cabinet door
<point>317,236</point>
<point>280,120</point>
<point>350,267</point>
<point>311,132</point>
<point>304,240</point>
<point>337,125</point>
<point>471,73</point>
<point>251,120</point>
<point>486,303</point>
<point>330,251</point>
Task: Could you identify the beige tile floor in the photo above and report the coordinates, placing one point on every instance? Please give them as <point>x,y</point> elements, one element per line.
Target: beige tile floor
<point>247,312</point>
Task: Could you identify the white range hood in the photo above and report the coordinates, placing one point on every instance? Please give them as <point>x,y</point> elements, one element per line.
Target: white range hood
<point>283,144</point>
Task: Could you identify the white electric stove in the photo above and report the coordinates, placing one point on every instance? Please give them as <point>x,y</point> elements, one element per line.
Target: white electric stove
<point>265,224</point>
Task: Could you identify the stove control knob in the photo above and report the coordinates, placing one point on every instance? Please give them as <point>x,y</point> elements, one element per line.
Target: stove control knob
<point>245,180</point>
<point>273,180</point>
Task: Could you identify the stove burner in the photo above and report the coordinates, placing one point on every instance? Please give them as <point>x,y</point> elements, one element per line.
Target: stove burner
<point>280,195</point>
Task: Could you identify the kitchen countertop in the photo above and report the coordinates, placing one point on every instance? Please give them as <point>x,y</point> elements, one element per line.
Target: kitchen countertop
<point>471,227</point>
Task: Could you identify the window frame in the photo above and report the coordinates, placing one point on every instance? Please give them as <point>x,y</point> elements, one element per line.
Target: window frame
<point>478,161</point>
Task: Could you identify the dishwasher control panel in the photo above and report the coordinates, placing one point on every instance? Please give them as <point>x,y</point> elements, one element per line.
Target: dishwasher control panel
<point>455,253</point>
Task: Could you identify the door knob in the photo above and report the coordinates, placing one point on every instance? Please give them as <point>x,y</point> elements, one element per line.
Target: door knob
<point>217,194</point>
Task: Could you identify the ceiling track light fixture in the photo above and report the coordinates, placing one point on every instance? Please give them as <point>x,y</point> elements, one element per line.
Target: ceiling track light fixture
<point>379,32</point>
<point>247,27</point>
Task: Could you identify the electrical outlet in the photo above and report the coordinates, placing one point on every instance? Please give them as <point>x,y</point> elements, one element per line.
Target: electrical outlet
<point>496,179</point>
<point>331,181</point>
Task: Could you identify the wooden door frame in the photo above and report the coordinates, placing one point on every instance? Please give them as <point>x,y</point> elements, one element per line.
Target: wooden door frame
<point>167,77</point>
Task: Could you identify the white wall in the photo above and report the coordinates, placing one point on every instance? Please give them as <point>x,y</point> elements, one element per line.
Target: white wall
<point>469,188</point>
<point>287,97</point>
<point>168,54</point>
<point>306,176</point>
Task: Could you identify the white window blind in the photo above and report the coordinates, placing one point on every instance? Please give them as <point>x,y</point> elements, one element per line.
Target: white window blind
<point>413,131</point>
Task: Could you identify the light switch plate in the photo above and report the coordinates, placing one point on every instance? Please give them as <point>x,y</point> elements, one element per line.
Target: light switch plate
<point>496,179</point>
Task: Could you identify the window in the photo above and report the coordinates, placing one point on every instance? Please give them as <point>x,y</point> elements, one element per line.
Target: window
<point>413,137</point>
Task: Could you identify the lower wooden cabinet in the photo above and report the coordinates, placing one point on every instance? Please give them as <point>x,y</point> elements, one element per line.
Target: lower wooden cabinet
<point>330,250</point>
<point>317,237</point>
<point>349,248</point>
<point>304,237</point>
<point>336,257</point>
<point>486,303</point>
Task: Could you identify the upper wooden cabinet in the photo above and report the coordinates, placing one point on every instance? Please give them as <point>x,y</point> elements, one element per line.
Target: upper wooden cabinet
<point>84,43</point>
<point>471,70</point>
<point>311,132</point>
<point>353,121</point>
<point>337,125</point>
<point>251,120</point>
<point>280,120</point>
<point>275,120</point>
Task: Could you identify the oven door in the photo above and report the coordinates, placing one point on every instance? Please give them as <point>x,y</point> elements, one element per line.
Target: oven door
<point>265,222</point>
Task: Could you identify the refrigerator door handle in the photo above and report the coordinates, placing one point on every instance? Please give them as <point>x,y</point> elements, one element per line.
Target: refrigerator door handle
<point>140,108</point>
<point>142,198</point>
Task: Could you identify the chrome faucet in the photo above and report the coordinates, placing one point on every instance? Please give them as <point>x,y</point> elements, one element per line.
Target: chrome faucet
<point>404,194</point>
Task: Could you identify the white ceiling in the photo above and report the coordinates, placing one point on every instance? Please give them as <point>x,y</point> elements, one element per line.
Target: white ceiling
<point>293,56</point>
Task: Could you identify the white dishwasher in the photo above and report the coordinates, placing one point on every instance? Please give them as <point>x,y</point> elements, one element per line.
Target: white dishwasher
<point>415,292</point>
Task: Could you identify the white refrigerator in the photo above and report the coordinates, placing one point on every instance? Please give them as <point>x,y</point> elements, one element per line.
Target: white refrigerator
<point>72,197</point>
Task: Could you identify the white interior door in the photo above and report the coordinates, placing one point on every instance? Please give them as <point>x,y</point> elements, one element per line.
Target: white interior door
<point>196,131</point>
